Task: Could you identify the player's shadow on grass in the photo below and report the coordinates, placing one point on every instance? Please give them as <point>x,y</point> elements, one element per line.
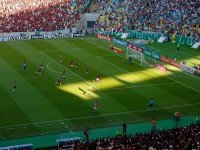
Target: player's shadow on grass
<point>84,92</point>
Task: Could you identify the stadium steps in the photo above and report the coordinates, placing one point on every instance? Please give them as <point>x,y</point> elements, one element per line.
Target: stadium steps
<point>94,6</point>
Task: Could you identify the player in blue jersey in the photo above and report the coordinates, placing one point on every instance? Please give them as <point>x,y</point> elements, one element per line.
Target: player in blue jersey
<point>24,65</point>
<point>151,102</point>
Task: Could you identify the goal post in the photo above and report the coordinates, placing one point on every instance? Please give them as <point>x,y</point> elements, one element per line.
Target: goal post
<point>134,54</point>
<point>139,55</point>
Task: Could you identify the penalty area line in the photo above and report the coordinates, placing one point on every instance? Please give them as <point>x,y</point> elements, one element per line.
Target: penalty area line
<point>103,115</point>
<point>148,68</point>
<point>113,64</point>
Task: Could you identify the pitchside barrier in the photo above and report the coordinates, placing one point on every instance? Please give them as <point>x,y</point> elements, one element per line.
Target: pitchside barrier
<point>18,147</point>
<point>161,67</point>
<point>36,37</point>
<point>67,143</point>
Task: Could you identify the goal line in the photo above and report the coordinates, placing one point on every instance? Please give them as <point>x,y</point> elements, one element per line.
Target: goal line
<point>137,54</point>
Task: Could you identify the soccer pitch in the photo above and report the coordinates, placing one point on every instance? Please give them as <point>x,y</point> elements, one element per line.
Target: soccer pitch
<point>39,106</point>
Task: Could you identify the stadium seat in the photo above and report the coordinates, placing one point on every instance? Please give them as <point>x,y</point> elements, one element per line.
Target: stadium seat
<point>43,15</point>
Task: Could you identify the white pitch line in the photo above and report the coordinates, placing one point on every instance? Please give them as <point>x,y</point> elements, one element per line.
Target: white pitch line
<point>61,137</point>
<point>54,70</point>
<point>129,87</point>
<point>37,125</point>
<point>70,71</point>
<point>49,124</point>
<point>187,54</point>
<point>105,55</point>
<point>50,68</point>
<point>117,67</point>
<point>68,129</point>
<point>178,82</point>
<point>181,52</point>
<point>71,132</point>
<point>150,69</point>
<point>10,129</point>
<point>67,49</point>
<point>96,116</point>
<point>113,64</point>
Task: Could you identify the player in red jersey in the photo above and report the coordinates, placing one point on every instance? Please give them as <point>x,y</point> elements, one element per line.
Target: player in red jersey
<point>98,79</point>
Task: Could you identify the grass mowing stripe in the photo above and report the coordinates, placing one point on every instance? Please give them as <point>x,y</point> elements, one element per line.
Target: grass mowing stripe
<point>58,72</point>
<point>8,104</point>
<point>112,101</point>
<point>138,86</point>
<point>69,70</point>
<point>89,58</point>
<point>26,95</point>
<point>129,72</point>
<point>113,64</point>
<point>150,69</point>
<point>70,49</point>
<point>52,69</point>
<point>188,55</point>
<point>184,53</point>
<point>103,115</point>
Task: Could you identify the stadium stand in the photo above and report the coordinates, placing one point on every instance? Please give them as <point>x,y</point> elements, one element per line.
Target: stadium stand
<point>43,15</point>
<point>186,137</point>
<point>181,17</point>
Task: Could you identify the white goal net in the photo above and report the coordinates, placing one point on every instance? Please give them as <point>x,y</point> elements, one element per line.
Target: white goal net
<point>139,56</point>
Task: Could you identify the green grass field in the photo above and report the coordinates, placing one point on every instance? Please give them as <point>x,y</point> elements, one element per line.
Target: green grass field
<point>39,106</point>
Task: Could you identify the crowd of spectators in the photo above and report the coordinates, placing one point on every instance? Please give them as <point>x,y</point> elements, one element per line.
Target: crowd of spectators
<point>176,139</point>
<point>181,17</point>
<point>39,15</point>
